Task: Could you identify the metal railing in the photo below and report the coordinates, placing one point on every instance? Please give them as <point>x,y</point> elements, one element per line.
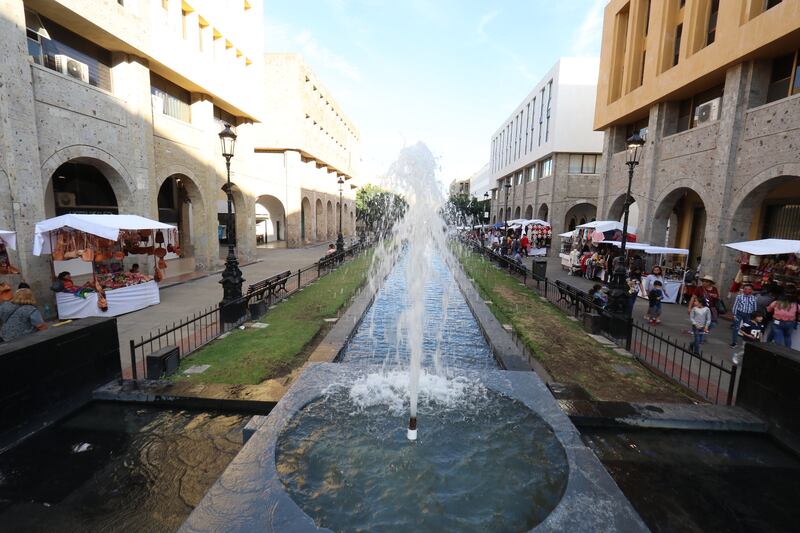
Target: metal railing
<point>713,380</point>
<point>198,329</point>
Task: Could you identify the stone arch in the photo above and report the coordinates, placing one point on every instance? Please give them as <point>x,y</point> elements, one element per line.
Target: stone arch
<point>353,221</point>
<point>543,212</point>
<point>273,218</point>
<point>617,208</point>
<point>179,201</point>
<point>319,220</point>
<point>680,219</point>
<point>517,212</point>
<point>502,218</point>
<point>345,219</point>
<point>331,220</point>
<point>118,177</point>
<point>579,213</point>
<point>747,200</point>
<point>306,224</point>
<point>494,219</point>
<point>529,212</point>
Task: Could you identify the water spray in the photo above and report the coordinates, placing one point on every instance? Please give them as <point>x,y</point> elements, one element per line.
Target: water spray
<point>412,428</point>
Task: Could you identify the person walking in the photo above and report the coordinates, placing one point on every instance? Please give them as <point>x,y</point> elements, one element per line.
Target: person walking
<point>744,306</point>
<point>655,295</point>
<point>524,243</point>
<point>708,292</point>
<point>700,317</point>
<point>784,319</point>
<point>20,318</point>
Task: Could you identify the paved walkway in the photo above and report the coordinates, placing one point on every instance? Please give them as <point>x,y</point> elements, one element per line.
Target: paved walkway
<point>674,317</point>
<point>181,300</point>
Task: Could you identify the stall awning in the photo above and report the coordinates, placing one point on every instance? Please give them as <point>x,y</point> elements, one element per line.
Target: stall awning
<point>642,246</point>
<point>655,250</point>
<point>767,246</point>
<point>105,226</point>
<point>606,225</point>
<point>566,234</point>
<point>9,237</point>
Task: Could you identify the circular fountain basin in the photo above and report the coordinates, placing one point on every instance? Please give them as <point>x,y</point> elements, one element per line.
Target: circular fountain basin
<point>485,463</point>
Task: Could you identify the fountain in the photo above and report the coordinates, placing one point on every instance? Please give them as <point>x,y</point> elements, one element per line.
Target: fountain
<point>490,450</point>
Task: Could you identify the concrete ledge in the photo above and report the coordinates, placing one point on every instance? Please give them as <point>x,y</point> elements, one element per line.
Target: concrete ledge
<point>703,417</point>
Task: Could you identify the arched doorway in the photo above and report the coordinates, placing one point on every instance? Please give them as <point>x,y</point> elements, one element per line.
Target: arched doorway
<point>331,220</point>
<point>544,211</point>
<point>680,220</point>
<point>321,225</point>
<point>500,214</point>
<point>353,221</point>
<point>79,187</point>
<point>178,199</point>
<point>529,212</point>
<point>770,210</point>
<point>305,213</point>
<point>579,214</point>
<point>270,220</point>
<point>345,219</point>
<point>517,213</point>
<point>222,219</point>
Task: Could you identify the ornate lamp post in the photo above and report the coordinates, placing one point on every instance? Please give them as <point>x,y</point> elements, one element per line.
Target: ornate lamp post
<point>231,277</point>
<point>486,206</point>
<point>505,211</point>
<point>618,297</point>
<point>340,238</point>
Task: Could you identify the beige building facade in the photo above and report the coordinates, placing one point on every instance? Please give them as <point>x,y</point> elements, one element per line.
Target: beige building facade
<point>714,87</point>
<point>115,107</point>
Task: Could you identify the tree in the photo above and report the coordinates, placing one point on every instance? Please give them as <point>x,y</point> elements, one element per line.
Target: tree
<point>461,208</point>
<point>378,209</point>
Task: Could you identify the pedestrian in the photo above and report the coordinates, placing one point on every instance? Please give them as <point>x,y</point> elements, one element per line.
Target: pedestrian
<point>637,267</point>
<point>655,275</point>
<point>752,330</point>
<point>654,296</point>
<point>784,319</point>
<point>744,306</point>
<point>599,298</point>
<point>700,317</point>
<point>20,317</point>
<point>633,293</point>
<point>331,250</point>
<point>524,243</point>
<point>708,292</point>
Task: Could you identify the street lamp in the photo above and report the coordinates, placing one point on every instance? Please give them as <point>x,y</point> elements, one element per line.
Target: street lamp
<point>486,206</point>
<point>617,301</point>
<point>340,238</point>
<point>231,277</point>
<point>505,212</point>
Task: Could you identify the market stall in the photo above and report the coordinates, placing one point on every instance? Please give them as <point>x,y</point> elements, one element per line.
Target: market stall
<point>673,279</point>
<point>603,230</point>
<point>105,241</point>
<point>767,261</point>
<point>566,246</point>
<point>8,241</point>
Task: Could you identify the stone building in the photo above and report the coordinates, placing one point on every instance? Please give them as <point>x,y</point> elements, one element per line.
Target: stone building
<point>713,87</point>
<point>115,107</point>
<point>548,152</point>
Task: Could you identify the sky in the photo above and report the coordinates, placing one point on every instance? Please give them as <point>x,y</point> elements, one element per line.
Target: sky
<point>444,72</point>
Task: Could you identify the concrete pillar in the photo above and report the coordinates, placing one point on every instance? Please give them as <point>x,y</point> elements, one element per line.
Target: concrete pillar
<point>294,198</point>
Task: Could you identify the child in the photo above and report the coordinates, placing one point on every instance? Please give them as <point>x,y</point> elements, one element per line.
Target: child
<point>751,330</point>
<point>700,317</point>
<point>654,296</point>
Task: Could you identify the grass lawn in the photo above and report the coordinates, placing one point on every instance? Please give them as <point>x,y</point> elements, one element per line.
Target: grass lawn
<point>560,345</point>
<point>253,355</point>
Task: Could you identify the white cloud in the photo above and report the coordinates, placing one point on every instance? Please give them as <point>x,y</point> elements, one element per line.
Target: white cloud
<point>485,20</point>
<point>586,39</point>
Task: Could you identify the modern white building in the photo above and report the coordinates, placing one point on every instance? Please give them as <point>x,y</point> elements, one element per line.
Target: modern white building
<point>480,182</point>
<point>548,152</point>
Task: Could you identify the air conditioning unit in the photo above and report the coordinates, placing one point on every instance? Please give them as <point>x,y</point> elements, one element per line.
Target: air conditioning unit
<point>72,67</point>
<point>65,199</point>
<point>707,112</point>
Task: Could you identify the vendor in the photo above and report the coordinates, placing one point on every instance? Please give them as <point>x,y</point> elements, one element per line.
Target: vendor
<point>64,283</point>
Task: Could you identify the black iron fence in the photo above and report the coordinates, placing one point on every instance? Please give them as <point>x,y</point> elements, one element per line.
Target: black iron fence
<point>198,329</point>
<point>713,380</point>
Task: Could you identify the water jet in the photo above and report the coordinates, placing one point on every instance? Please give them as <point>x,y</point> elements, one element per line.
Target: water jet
<point>412,429</point>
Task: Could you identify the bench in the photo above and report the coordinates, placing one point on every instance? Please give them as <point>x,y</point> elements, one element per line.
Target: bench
<point>268,287</point>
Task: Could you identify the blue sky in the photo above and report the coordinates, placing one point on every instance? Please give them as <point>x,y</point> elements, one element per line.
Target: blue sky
<point>445,72</point>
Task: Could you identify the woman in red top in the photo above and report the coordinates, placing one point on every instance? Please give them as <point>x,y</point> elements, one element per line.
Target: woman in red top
<point>784,316</point>
<point>524,242</point>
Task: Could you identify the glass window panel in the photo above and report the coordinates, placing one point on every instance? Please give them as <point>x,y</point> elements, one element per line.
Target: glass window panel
<point>589,164</point>
<point>575,163</point>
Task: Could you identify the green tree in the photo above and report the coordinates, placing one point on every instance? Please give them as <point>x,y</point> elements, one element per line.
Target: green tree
<point>378,209</point>
<point>461,208</point>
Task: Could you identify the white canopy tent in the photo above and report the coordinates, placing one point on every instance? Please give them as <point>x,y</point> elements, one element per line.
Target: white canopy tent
<point>566,234</point>
<point>606,225</point>
<point>105,226</point>
<point>767,246</point>
<point>9,238</point>
<point>649,248</point>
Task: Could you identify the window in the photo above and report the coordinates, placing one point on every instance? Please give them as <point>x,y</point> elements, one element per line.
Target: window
<point>682,3</point>
<point>687,112</point>
<point>640,127</point>
<point>533,120</point>
<point>769,4</point>
<point>527,125</point>
<point>583,163</point>
<point>647,18</point>
<point>519,178</point>
<point>170,99</point>
<point>541,115</point>
<point>641,70</point>
<point>549,100</point>
<point>785,77</point>
<point>547,167</point>
<point>59,49</point>
<point>712,22</point>
<point>184,23</point>
<point>676,53</point>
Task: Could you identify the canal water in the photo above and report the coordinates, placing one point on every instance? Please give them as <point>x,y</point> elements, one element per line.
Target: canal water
<point>116,467</point>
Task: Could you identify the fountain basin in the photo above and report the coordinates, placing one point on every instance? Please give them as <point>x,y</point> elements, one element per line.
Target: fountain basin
<point>251,496</point>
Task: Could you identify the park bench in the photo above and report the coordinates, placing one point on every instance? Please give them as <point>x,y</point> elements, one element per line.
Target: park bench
<point>262,292</point>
